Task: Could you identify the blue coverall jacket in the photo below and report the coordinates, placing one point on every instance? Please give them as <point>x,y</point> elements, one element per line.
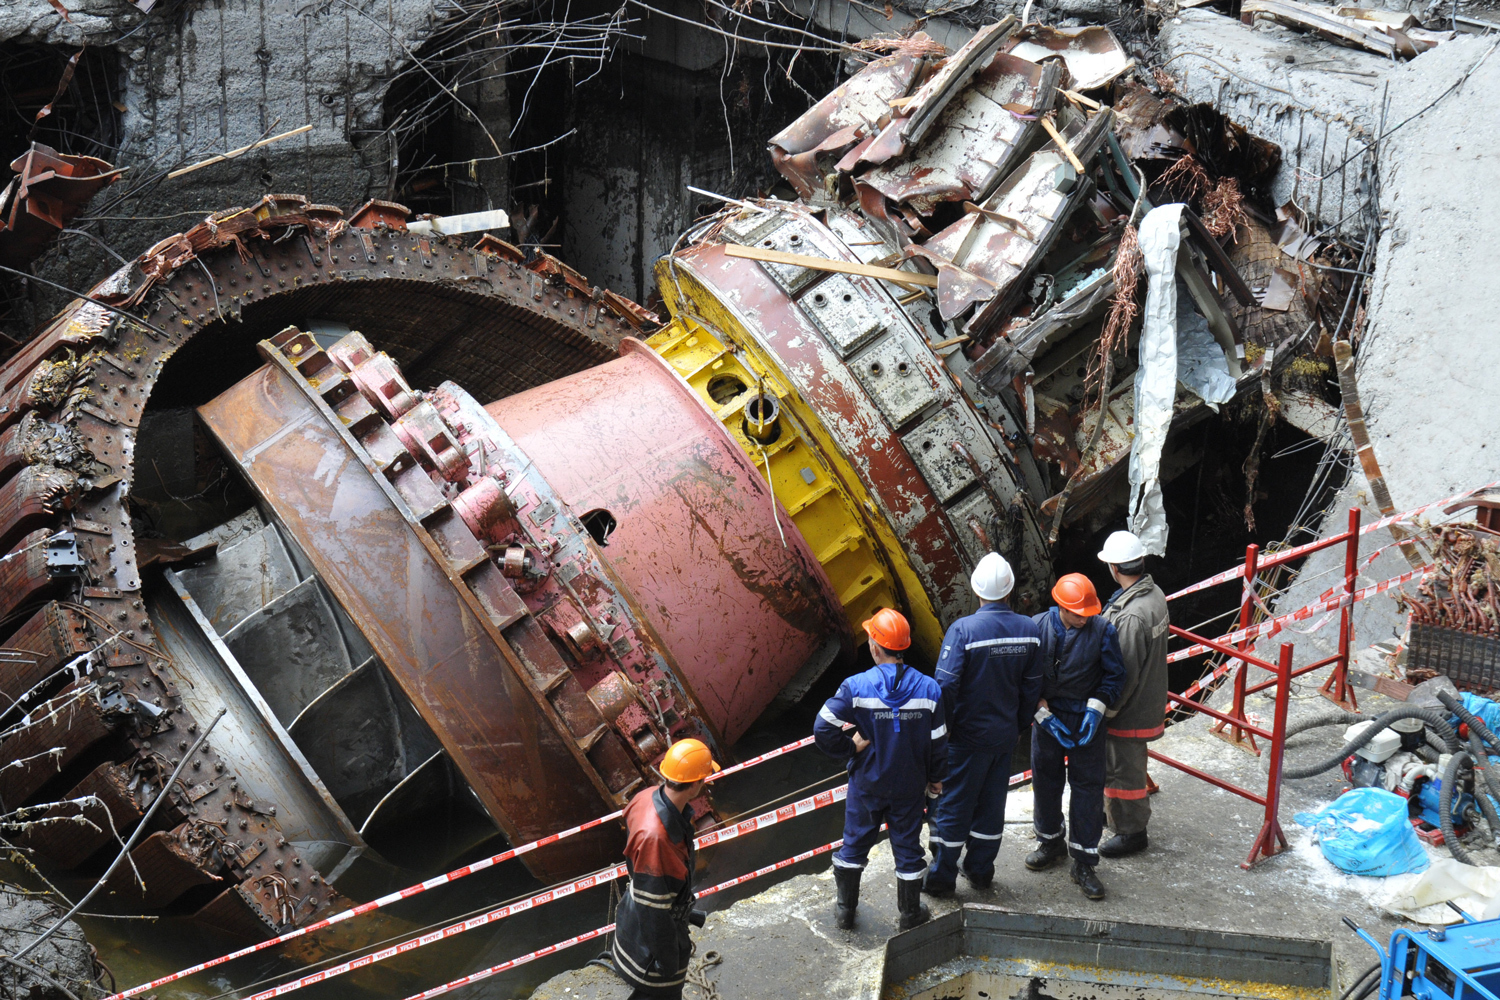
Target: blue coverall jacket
<point>991,678</point>
<point>900,711</point>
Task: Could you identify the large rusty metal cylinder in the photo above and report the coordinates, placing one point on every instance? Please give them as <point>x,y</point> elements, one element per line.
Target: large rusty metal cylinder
<point>688,525</point>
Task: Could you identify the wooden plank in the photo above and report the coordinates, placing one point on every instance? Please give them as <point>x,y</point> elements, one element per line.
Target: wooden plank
<point>826,264</point>
<point>1062,144</point>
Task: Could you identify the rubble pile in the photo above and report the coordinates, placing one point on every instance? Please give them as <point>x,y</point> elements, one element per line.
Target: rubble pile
<point>1017,172</point>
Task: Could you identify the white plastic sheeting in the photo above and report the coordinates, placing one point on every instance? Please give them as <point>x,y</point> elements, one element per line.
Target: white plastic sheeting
<point>1176,345</point>
<point>1424,897</point>
<point>1201,366</point>
<point>1156,378</point>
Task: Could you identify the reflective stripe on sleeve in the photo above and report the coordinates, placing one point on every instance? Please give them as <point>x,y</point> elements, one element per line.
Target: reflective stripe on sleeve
<point>1012,640</point>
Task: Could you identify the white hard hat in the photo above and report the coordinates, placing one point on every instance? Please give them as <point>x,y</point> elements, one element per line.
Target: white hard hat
<point>1122,547</point>
<point>993,578</point>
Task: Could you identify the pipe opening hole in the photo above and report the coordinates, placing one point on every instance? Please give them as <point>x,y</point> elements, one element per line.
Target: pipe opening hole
<point>762,419</point>
<point>820,299</point>
<point>876,368</point>
<point>848,297</point>
<point>902,367</point>
<point>723,388</point>
<point>600,524</point>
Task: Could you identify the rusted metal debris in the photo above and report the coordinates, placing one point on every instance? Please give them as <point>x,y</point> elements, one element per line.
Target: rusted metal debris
<point>47,193</point>
<point>115,666</point>
<point>1385,33</point>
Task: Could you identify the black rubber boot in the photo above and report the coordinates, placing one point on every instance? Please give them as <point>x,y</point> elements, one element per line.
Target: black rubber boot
<point>981,881</point>
<point>1084,876</point>
<point>1047,853</point>
<point>1122,844</point>
<point>914,912</point>
<point>847,882</point>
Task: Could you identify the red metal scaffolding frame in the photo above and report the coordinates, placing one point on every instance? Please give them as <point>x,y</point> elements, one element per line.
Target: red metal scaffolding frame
<point>1236,729</point>
<point>1271,840</point>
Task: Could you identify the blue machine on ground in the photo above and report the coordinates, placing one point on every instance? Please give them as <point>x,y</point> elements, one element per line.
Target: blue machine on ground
<point>1461,962</point>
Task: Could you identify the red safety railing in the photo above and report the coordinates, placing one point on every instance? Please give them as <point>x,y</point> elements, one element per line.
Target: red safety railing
<point>1336,688</point>
<point>1234,724</point>
<point>1271,840</point>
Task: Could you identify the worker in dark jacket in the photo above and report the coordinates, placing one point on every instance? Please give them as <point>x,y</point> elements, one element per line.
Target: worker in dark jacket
<point>653,945</point>
<point>897,755</point>
<point>1138,611</point>
<point>1080,655</point>
<point>991,679</point>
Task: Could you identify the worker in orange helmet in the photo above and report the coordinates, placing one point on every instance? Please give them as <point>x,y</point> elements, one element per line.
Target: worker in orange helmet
<point>1084,673</point>
<point>897,754</point>
<point>653,944</point>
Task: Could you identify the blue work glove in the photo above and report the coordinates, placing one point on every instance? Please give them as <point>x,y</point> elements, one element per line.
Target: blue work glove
<point>1054,725</point>
<point>1089,728</point>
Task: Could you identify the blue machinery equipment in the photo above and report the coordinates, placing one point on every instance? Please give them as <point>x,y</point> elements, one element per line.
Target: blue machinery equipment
<point>1461,962</point>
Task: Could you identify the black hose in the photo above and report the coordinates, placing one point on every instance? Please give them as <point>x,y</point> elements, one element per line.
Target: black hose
<point>1489,782</point>
<point>1435,723</point>
<point>1445,810</point>
<point>1468,718</point>
<point>1315,720</point>
<point>1428,754</point>
<point>1360,981</point>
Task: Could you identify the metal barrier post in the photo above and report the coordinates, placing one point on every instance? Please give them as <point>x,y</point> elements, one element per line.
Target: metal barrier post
<point>1271,839</point>
<point>1337,688</point>
<point>1234,734</point>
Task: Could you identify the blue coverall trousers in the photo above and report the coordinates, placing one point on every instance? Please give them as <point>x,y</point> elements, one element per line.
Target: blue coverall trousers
<point>863,814</point>
<point>1083,772</point>
<point>970,814</point>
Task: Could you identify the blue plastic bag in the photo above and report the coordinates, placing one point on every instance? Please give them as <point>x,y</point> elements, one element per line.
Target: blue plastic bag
<point>1366,831</point>
<point>1488,711</point>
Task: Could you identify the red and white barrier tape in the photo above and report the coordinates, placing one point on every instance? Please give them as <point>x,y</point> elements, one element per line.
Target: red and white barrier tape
<point>531,956</point>
<point>442,934</point>
<point>1385,522</point>
<point>432,883</point>
<point>798,808</point>
<point>1273,625</point>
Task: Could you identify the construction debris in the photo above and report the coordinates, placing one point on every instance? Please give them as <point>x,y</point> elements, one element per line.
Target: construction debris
<point>49,190</point>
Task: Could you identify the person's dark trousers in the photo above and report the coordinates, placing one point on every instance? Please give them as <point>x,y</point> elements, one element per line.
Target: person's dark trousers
<point>1082,769</point>
<point>863,814</point>
<point>672,993</point>
<point>1127,790</point>
<point>970,814</point>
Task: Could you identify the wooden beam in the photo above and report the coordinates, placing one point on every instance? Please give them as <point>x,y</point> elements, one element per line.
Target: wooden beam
<point>237,152</point>
<point>826,264</point>
<point>1062,144</point>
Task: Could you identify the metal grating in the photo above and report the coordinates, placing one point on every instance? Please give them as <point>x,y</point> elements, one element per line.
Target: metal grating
<point>1470,660</point>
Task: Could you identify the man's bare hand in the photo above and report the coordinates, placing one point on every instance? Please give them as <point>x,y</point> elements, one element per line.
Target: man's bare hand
<point>934,789</point>
<point>860,743</point>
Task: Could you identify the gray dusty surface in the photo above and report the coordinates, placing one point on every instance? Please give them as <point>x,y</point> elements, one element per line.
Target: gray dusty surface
<point>782,943</point>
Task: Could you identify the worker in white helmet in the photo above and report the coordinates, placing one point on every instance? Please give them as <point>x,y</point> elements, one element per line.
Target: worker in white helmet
<point>991,676</point>
<point>1138,611</point>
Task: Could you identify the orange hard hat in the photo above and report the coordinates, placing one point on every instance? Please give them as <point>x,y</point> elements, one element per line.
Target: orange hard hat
<point>1076,593</point>
<point>687,761</point>
<point>889,629</point>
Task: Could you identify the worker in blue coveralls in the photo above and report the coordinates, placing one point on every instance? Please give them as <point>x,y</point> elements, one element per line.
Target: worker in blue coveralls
<point>991,678</point>
<point>897,752</point>
<point>1084,671</point>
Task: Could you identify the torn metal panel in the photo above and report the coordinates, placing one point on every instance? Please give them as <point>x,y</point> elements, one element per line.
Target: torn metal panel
<point>981,257</point>
<point>1012,352</point>
<point>1093,55</point>
<point>856,108</point>
<point>978,140</point>
<point>49,191</point>
<point>922,110</point>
